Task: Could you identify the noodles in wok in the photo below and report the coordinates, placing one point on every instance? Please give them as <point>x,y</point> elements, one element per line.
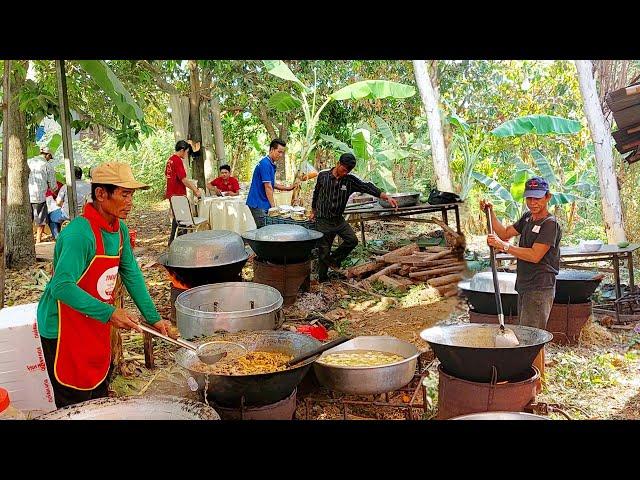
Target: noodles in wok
<point>248,364</point>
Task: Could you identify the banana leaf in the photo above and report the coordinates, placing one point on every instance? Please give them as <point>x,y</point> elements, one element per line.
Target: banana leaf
<point>280,69</point>
<point>537,124</point>
<point>283,102</point>
<point>374,89</point>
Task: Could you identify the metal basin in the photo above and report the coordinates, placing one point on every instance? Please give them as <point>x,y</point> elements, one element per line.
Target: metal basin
<point>466,351</point>
<point>196,276</point>
<point>370,380</point>
<point>206,249</point>
<point>500,416</point>
<point>404,199</point>
<point>260,389</point>
<point>228,306</point>
<point>282,243</point>
<point>162,407</point>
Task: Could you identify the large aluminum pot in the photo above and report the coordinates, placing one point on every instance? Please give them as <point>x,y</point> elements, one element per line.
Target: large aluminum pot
<point>500,416</point>
<point>207,248</point>
<point>228,306</point>
<point>370,380</point>
<point>258,389</point>
<point>162,407</point>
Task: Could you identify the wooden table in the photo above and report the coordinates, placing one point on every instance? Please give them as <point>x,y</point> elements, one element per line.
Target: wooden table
<point>373,211</point>
<point>606,253</point>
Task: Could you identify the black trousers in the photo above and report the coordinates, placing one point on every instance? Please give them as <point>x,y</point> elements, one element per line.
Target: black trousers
<point>258,215</point>
<point>65,396</point>
<point>332,227</point>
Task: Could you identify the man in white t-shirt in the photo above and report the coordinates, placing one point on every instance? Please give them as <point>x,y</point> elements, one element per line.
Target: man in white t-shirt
<point>83,195</point>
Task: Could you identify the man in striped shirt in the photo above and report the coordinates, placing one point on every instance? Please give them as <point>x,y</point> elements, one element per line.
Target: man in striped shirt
<point>333,189</point>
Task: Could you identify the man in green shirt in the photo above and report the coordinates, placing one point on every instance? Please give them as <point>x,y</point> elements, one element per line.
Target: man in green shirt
<point>76,310</point>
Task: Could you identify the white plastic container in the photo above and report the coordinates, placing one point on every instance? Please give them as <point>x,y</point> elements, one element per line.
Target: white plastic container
<point>23,372</point>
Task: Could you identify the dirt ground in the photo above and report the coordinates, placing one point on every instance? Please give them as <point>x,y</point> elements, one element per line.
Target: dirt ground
<point>597,379</point>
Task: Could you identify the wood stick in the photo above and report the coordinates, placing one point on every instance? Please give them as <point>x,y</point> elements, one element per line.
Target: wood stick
<point>391,282</point>
<point>402,280</point>
<point>407,249</point>
<point>350,285</point>
<point>390,269</point>
<point>437,271</point>
<point>404,271</point>
<point>450,293</point>
<point>435,249</point>
<point>448,262</point>
<point>435,282</point>
<point>364,268</point>
<point>449,286</point>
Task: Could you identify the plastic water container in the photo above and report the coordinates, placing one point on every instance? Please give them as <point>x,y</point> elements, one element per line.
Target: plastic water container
<point>7,411</point>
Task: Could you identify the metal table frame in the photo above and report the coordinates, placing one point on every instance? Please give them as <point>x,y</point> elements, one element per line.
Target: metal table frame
<point>361,215</point>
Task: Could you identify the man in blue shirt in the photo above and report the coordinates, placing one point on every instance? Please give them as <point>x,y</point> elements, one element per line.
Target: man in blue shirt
<point>260,197</point>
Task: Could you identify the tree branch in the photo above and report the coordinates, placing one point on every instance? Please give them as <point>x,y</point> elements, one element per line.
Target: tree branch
<point>158,77</point>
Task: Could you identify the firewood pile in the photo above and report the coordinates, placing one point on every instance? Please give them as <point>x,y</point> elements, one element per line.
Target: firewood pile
<point>439,267</point>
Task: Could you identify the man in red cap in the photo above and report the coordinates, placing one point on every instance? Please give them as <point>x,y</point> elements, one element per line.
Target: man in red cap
<point>76,311</point>
<point>538,253</point>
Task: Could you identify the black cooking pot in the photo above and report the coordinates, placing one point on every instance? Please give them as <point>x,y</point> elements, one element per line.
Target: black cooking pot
<point>467,351</point>
<point>282,243</point>
<point>485,302</point>
<point>259,389</point>
<point>576,286</point>
<point>198,276</point>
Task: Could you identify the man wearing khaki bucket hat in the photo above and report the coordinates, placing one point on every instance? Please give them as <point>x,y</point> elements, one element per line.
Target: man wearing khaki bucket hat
<point>76,311</point>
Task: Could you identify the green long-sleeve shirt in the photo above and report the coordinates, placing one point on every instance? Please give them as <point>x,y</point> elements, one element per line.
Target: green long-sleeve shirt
<point>75,248</point>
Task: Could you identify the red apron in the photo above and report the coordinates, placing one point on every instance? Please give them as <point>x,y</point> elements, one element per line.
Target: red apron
<point>84,346</point>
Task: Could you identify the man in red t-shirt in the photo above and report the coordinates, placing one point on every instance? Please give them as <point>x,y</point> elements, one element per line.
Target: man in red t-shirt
<point>177,181</point>
<point>225,184</point>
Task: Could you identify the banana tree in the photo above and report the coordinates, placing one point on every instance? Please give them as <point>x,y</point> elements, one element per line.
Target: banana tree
<point>468,150</point>
<point>284,101</point>
<point>378,153</point>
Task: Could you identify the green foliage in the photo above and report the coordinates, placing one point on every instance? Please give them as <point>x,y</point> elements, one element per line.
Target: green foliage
<point>148,162</point>
<point>573,371</point>
<point>538,125</point>
<point>374,89</point>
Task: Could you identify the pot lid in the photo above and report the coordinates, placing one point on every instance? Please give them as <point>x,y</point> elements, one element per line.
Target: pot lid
<point>483,282</point>
<point>282,233</point>
<point>578,275</point>
<point>208,248</point>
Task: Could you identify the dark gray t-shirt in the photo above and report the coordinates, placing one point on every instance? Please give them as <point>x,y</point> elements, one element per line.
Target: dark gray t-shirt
<point>535,276</point>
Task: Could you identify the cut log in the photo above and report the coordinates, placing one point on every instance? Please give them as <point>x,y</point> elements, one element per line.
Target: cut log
<point>437,271</point>
<point>448,287</point>
<point>406,250</point>
<point>364,268</point>
<point>390,269</point>
<point>391,282</point>
<point>454,277</point>
<point>450,293</point>
<point>435,263</point>
<point>403,280</point>
<point>404,271</point>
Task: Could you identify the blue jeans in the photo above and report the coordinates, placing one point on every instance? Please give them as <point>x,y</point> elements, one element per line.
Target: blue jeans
<point>56,218</point>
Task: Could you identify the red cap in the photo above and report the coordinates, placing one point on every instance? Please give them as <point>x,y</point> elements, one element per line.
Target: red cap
<point>4,399</point>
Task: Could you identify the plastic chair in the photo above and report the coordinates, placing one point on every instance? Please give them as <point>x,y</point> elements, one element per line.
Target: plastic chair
<point>184,218</point>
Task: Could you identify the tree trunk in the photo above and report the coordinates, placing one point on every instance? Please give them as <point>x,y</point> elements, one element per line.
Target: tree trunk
<point>20,246</point>
<point>217,130</point>
<point>210,163</point>
<point>179,116</point>
<point>195,130</point>
<point>601,137</point>
<point>428,93</point>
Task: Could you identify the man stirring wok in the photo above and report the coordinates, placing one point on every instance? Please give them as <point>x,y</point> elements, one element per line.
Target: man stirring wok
<point>76,311</point>
<point>538,253</point>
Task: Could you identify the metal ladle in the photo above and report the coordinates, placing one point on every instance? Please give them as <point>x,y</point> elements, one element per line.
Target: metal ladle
<point>205,352</point>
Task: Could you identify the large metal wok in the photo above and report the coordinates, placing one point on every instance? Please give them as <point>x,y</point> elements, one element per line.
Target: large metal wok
<point>370,380</point>
<point>575,286</point>
<point>259,389</point>
<point>282,243</point>
<point>161,407</point>
<point>210,256</point>
<point>468,352</point>
<point>197,276</point>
